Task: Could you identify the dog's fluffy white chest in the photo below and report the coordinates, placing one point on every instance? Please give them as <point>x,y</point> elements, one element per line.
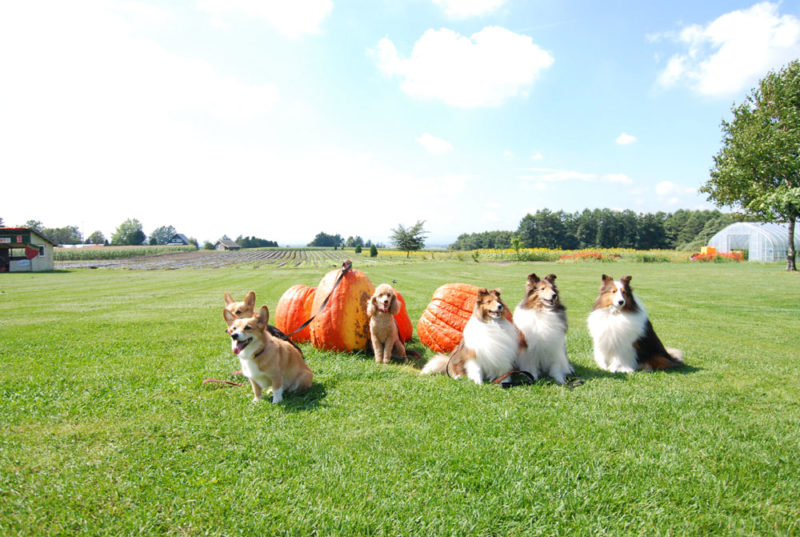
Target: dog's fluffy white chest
<point>614,333</point>
<point>540,325</point>
<point>495,343</point>
<point>251,371</point>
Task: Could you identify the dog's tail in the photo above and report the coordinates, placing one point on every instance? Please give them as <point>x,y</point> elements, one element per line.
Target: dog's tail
<point>675,354</point>
<point>437,364</point>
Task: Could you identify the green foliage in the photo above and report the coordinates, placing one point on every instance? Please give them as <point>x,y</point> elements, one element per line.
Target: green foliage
<point>129,232</point>
<point>323,239</point>
<point>63,235</point>
<point>116,252</point>
<point>409,239</point>
<point>96,238</point>
<point>35,225</point>
<point>358,249</point>
<point>162,235</point>
<point>255,242</point>
<point>600,228</point>
<point>208,245</point>
<point>758,167</point>
<point>373,251</point>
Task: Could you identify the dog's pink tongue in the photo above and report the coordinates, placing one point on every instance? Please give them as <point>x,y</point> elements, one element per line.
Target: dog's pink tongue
<point>238,348</point>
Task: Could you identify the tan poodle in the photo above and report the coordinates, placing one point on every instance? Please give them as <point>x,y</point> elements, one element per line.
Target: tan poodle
<point>381,310</point>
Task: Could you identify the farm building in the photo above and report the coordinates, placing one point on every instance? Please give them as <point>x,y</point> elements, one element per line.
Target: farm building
<point>179,238</point>
<point>227,244</point>
<point>763,242</point>
<point>23,249</point>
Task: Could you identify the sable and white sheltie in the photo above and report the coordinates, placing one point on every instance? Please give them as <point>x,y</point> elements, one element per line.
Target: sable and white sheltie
<point>489,346</point>
<point>624,339</point>
<point>542,319</point>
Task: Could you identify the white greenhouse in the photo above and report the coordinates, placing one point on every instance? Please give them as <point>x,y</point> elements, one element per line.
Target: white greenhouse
<point>763,242</point>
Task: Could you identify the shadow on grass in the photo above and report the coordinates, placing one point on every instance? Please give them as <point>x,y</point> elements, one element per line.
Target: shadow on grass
<point>587,373</point>
<point>305,401</point>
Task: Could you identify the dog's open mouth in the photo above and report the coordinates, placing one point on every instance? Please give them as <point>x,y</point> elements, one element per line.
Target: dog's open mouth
<point>239,345</point>
<point>496,314</point>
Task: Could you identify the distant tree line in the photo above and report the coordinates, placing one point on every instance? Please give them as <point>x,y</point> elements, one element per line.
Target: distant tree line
<point>604,228</point>
<point>336,241</point>
<point>254,242</point>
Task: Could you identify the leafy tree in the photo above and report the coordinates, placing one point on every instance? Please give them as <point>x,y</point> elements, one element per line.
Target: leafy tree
<point>129,232</point>
<point>516,244</point>
<point>96,238</point>
<point>758,167</point>
<point>35,225</point>
<point>409,239</point>
<point>162,235</point>
<point>323,239</point>
<point>63,235</point>
<point>373,250</point>
<point>208,245</point>
<point>358,249</point>
<point>254,242</point>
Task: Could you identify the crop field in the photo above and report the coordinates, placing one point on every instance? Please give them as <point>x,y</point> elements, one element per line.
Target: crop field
<point>109,430</point>
<point>156,258</point>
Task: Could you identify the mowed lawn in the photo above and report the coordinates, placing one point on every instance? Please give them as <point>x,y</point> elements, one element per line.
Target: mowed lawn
<point>108,430</point>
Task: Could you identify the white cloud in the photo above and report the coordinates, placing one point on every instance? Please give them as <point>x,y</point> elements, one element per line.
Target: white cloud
<point>291,18</point>
<point>541,177</point>
<point>619,178</point>
<point>462,9</point>
<point>732,52</point>
<point>434,145</point>
<point>667,189</point>
<point>537,156</point>
<point>625,139</point>
<point>485,69</point>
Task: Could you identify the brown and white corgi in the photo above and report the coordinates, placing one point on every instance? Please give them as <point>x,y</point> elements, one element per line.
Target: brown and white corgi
<point>381,309</point>
<point>624,339</point>
<point>243,309</point>
<point>489,346</point>
<point>267,361</point>
<point>542,319</point>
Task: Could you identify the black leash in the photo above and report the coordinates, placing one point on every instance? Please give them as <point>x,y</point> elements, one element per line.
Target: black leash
<point>346,266</point>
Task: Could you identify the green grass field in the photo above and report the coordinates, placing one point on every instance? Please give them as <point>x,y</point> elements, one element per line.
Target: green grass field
<point>109,431</point>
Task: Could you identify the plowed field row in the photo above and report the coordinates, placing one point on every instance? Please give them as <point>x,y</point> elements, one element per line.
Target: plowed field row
<point>286,258</point>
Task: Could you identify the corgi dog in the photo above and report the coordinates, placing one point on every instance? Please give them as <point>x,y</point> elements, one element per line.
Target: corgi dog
<point>381,309</point>
<point>268,362</point>
<point>624,339</point>
<point>489,347</point>
<point>242,309</point>
<point>542,319</point>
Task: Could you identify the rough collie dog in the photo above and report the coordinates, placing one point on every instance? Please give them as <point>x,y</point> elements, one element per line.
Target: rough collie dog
<point>489,346</point>
<point>624,339</point>
<point>542,319</point>
<point>267,361</point>
<point>242,309</point>
<point>381,309</point>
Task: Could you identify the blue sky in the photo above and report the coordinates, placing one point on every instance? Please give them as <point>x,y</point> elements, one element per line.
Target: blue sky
<point>283,119</point>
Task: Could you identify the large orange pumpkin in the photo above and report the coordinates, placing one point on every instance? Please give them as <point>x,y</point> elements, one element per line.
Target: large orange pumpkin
<point>343,324</point>
<point>404,327</point>
<point>443,321</point>
<point>294,308</point>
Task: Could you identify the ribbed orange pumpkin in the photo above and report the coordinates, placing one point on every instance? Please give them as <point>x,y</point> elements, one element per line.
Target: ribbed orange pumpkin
<point>443,321</point>
<point>294,308</point>
<point>404,327</point>
<point>343,324</point>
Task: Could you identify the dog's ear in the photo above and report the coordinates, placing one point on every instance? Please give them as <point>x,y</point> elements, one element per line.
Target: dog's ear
<point>262,318</point>
<point>626,281</point>
<point>228,316</point>
<point>395,305</point>
<point>533,279</point>
<point>228,299</point>
<point>607,280</point>
<point>371,306</point>
<point>550,278</point>
<point>250,299</point>
<point>495,292</point>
